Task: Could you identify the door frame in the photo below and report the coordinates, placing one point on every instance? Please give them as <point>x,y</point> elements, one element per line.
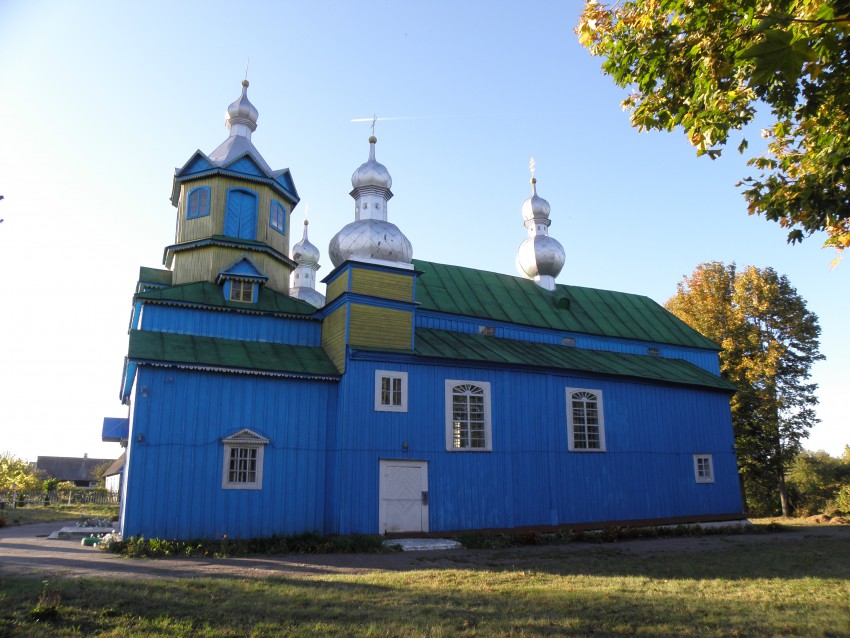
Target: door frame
<point>382,513</point>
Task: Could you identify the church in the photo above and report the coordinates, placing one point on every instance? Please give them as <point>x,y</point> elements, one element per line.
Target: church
<point>413,397</point>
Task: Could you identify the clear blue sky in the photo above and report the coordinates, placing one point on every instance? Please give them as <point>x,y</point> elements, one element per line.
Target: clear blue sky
<point>101,100</point>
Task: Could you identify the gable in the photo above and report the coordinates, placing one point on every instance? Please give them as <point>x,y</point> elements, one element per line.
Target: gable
<point>245,436</point>
<point>247,165</point>
<point>196,164</point>
<point>488,295</point>
<point>242,268</point>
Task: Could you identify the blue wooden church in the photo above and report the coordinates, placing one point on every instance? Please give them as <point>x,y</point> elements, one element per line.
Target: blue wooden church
<point>416,397</point>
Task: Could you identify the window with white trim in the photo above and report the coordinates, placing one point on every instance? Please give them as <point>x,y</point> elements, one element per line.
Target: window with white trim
<point>242,291</point>
<point>199,202</point>
<point>585,420</point>
<point>703,468</point>
<point>468,426</point>
<point>390,391</point>
<point>277,217</point>
<point>243,461</point>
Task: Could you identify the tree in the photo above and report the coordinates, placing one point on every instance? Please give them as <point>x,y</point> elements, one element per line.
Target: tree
<point>815,480</point>
<point>770,341</point>
<point>18,473</point>
<point>705,66</point>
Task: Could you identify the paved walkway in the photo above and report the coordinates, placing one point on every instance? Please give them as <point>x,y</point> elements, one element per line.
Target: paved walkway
<point>25,550</point>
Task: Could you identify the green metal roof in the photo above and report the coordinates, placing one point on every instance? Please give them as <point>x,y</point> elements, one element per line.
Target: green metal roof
<point>205,293</point>
<point>155,276</point>
<point>466,347</point>
<point>488,295</point>
<point>251,356</point>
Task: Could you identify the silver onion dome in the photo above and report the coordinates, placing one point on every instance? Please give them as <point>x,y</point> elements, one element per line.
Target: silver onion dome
<point>242,111</point>
<point>372,172</point>
<point>370,237</point>
<point>539,257</point>
<point>304,253</point>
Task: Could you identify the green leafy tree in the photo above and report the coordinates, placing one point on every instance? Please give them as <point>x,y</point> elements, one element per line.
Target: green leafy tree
<point>18,473</point>
<point>815,480</point>
<point>770,341</point>
<point>707,66</point>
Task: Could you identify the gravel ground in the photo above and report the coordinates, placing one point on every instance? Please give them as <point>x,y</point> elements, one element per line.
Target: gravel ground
<point>26,551</point>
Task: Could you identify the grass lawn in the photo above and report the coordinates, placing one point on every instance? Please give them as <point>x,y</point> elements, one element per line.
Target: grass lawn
<point>30,514</point>
<point>798,587</point>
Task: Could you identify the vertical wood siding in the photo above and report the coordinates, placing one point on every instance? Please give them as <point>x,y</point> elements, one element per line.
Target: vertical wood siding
<point>174,473</point>
<point>204,264</point>
<point>231,325</point>
<point>213,224</point>
<point>705,359</point>
<point>376,327</point>
<point>382,284</point>
<point>333,336</point>
<point>530,477</point>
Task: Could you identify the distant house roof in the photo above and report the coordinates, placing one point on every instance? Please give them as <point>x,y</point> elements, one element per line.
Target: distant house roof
<point>115,429</point>
<point>233,355</point>
<point>117,466</point>
<point>488,295</point>
<point>467,347</point>
<point>70,468</point>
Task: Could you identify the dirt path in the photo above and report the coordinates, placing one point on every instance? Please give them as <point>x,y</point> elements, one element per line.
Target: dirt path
<point>25,551</point>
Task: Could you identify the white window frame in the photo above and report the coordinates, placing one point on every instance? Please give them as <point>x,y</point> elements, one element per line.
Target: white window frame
<point>243,440</point>
<point>571,426</point>
<point>392,375</point>
<point>451,384</point>
<point>243,288</point>
<point>700,474</point>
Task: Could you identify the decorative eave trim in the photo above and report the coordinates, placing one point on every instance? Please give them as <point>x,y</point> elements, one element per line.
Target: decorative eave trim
<point>247,311</point>
<point>246,436</point>
<point>292,198</point>
<point>230,370</point>
<point>169,251</point>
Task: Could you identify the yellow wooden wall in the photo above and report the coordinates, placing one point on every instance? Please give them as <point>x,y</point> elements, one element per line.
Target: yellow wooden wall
<point>333,337</point>
<point>382,284</point>
<point>380,327</point>
<point>213,224</point>
<point>337,287</point>
<point>205,262</point>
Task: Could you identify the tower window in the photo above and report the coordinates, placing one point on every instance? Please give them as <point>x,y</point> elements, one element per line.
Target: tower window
<point>277,217</point>
<point>242,291</point>
<point>199,203</point>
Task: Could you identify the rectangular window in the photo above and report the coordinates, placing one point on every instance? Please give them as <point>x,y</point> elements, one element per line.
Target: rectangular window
<point>703,468</point>
<point>199,203</point>
<point>277,217</point>
<point>243,461</point>
<point>242,291</point>
<point>390,391</point>
<point>468,425</point>
<point>585,420</point>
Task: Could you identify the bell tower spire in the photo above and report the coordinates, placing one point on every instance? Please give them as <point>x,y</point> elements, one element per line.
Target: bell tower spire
<point>539,257</point>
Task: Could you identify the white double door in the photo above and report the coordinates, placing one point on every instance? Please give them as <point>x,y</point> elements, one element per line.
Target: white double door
<point>404,496</point>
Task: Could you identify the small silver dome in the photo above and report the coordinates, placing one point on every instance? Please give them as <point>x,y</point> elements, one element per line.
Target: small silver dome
<point>372,172</point>
<point>540,256</point>
<point>242,111</point>
<point>370,239</point>
<point>535,207</point>
<point>304,253</point>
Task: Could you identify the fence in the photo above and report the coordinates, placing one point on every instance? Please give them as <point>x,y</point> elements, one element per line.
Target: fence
<point>36,498</point>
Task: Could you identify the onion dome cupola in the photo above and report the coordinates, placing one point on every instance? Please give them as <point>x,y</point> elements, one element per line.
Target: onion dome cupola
<point>539,257</point>
<point>370,237</point>
<point>303,279</point>
<point>231,203</point>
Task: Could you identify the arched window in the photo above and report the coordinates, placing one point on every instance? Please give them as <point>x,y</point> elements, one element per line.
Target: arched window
<point>468,415</point>
<point>240,218</point>
<point>198,204</point>
<point>277,217</point>
<point>585,420</point>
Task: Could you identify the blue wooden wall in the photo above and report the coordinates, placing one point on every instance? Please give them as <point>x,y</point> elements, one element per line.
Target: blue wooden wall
<point>175,457</point>
<point>231,325</point>
<point>530,477</point>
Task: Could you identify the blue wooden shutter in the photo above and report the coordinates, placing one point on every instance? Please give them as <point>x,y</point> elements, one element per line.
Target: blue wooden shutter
<point>240,220</point>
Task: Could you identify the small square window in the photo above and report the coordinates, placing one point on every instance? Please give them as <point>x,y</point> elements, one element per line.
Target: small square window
<point>703,468</point>
<point>242,291</point>
<point>653,352</point>
<point>390,391</point>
